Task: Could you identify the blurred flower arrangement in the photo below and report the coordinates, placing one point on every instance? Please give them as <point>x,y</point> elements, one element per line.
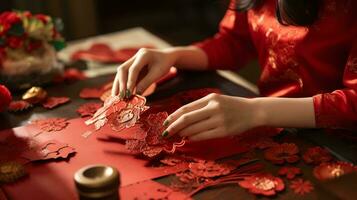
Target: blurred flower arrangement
<point>28,45</point>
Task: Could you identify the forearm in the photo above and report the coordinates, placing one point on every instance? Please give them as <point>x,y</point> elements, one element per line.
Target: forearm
<point>286,112</point>
<point>189,57</point>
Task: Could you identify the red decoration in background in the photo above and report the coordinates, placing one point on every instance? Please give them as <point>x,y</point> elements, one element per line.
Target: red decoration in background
<point>209,169</point>
<point>5,96</point>
<point>316,156</point>
<point>51,149</point>
<point>301,187</point>
<point>264,184</point>
<point>100,52</point>
<point>91,93</point>
<point>51,124</point>
<point>279,154</point>
<point>70,75</point>
<point>289,172</point>
<point>52,102</point>
<point>333,170</point>
<point>88,109</point>
<point>18,106</point>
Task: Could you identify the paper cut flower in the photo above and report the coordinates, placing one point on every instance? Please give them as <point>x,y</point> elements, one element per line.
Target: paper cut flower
<point>263,184</point>
<point>18,106</point>
<point>333,170</point>
<point>88,109</point>
<point>126,118</point>
<point>289,172</point>
<point>316,156</point>
<point>286,152</point>
<point>209,169</point>
<point>51,124</point>
<point>52,102</point>
<point>301,187</point>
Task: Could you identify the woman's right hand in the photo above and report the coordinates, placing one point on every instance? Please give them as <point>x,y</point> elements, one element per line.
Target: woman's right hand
<point>140,71</point>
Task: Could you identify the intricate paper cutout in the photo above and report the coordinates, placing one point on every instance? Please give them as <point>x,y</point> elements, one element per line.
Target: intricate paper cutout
<point>286,152</point>
<point>88,109</point>
<point>316,156</point>
<point>18,106</point>
<point>301,187</point>
<point>289,172</point>
<point>333,170</point>
<point>50,124</point>
<point>52,102</point>
<point>49,150</point>
<point>263,184</point>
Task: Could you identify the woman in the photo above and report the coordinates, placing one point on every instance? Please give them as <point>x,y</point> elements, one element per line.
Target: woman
<point>307,51</point>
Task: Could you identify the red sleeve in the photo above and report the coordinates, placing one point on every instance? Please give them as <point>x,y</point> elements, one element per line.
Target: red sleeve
<point>231,47</point>
<point>339,108</point>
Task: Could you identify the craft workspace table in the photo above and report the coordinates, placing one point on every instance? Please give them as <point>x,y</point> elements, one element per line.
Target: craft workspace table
<point>227,82</point>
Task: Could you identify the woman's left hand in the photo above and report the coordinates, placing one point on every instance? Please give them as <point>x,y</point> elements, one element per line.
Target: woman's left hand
<point>214,116</point>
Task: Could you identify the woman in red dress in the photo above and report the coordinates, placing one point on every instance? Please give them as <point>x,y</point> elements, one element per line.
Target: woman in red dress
<point>307,51</point>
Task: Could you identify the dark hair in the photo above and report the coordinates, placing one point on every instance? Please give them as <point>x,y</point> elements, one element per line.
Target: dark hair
<point>288,12</point>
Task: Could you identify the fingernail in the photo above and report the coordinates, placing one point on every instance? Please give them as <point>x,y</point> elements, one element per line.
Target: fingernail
<point>139,92</point>
<point>128,94</point>
<point>165,133</point>
<point>122,94</point>
<point>166,123</point>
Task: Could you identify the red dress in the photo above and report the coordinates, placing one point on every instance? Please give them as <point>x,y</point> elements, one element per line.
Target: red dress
<point>318,61</point>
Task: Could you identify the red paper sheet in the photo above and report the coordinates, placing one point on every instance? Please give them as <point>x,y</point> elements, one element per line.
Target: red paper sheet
<point>54,179</point>
<point>150,190</point>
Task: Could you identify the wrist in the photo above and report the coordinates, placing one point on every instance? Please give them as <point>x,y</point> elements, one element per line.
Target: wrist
<point>260,115</point>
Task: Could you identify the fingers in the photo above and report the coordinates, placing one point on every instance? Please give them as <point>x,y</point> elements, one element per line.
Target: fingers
<point>134,70</point>
<point>187,119</point>
<point>187,108</point>
<point>115,86</point>
<point>201,126</point>
<point>119,84</point>
<point>146,81</point>
<point>209,134</point>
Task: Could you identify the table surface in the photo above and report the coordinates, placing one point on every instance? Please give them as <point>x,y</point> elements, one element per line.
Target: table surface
<point>345,150</point>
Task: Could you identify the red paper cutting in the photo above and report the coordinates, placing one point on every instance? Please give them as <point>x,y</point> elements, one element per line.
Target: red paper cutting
<point>301,187</point>
<point>100,52</point>
<point>18,106</point>
<point>333,170</point>
<point>279,154</point>
<point>51,124</point>
<point>316,156</point>
<point>69,76</point>
<point>52,102</point>
<point>49,150</point>
<point>289,172</point>
<point>263,184</point>
<point>88,109</point>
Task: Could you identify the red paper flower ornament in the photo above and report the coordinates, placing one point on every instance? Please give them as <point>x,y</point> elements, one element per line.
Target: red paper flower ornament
<point>52,102</point>
<point>279,154</point>
<point>289,172</point>
<point>18,106</point>
<point>88,109</point>
<point>263,184</point>
<point>333,170</point>
<point>209,169</point>
<point>301,187</point>
<point>51,124</point>
<point>316,156</point>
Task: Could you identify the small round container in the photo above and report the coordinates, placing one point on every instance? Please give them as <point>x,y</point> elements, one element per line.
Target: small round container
<point>97,182</point>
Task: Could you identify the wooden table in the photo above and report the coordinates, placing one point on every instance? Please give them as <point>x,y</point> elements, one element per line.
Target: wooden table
<point>184,81</point>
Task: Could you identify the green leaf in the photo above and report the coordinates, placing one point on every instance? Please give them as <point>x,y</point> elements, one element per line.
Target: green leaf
<point>58,44</point>
<point>16,30</point>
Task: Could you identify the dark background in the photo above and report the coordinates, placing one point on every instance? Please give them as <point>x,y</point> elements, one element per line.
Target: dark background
<point>177,21</point>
